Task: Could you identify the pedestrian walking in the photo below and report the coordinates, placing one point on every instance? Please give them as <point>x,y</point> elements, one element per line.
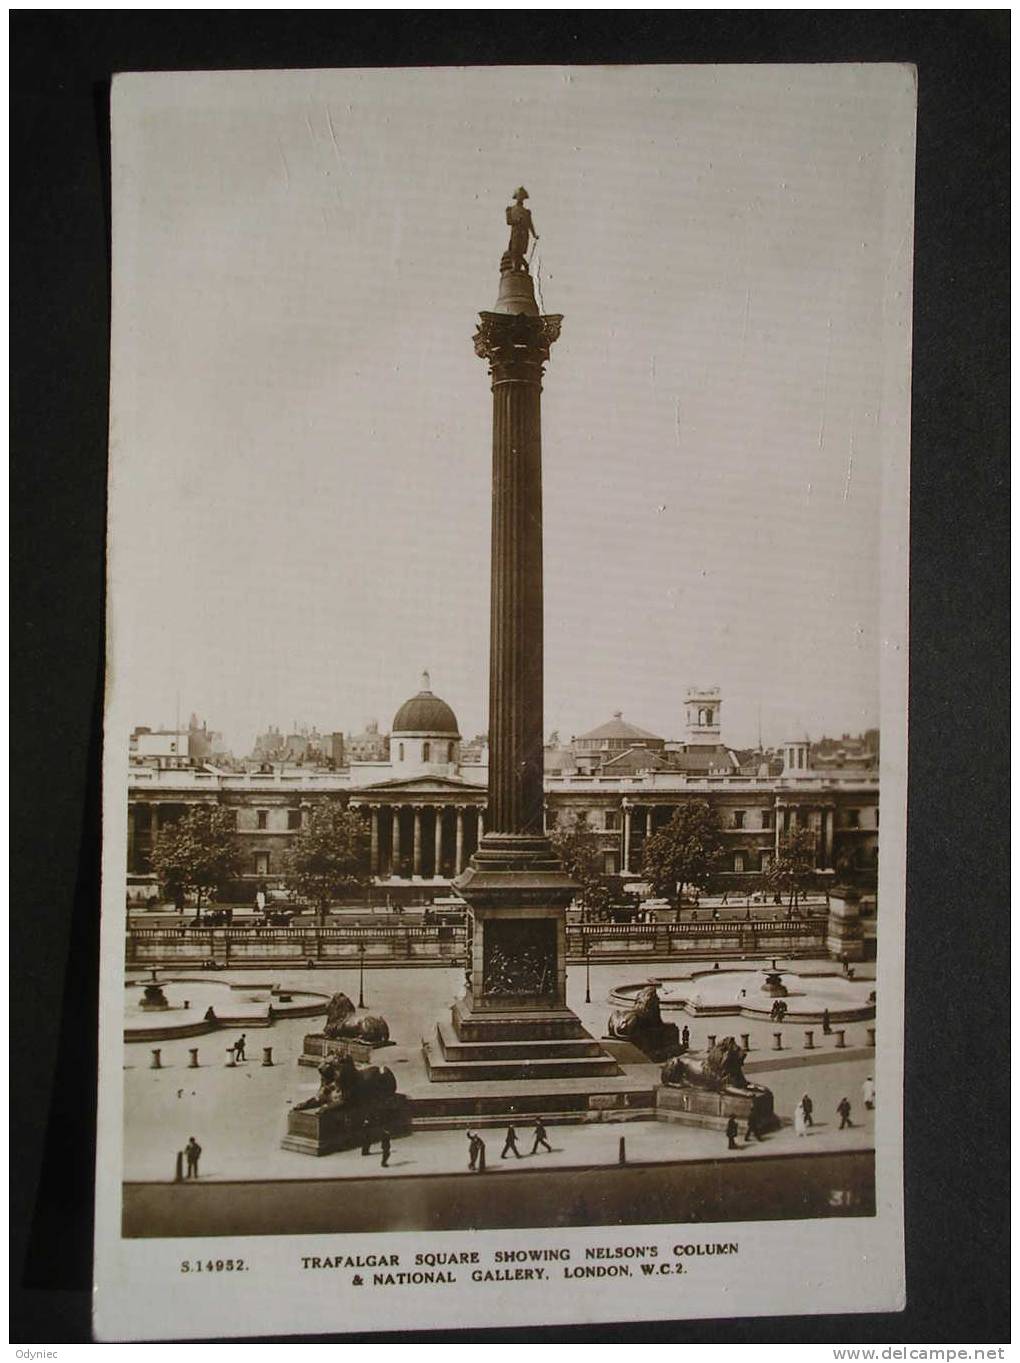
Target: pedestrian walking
<point>366,1137</point>
<point>752,1128</point>
<point>239,1045</point>
<point>800,1121</point>
<point>826,1022</point>
<point>868,1093</point>
<point>809,1110</point>
<point>384,1145</point>
<point>732,1131</point>
<point>540,1138</point>
<point>843,1108</point>
<point>510,1143</point>
<point>192,1151</point>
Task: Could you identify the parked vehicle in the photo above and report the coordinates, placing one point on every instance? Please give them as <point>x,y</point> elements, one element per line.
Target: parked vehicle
<point>277,918</point>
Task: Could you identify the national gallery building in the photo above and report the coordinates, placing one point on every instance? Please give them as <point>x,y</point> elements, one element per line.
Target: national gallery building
<point>425,808</point>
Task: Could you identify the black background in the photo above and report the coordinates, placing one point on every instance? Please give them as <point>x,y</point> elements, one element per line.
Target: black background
<point>957,1025</point>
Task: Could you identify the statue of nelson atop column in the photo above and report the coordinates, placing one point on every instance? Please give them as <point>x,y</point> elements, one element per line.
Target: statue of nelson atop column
<point>522,229</point>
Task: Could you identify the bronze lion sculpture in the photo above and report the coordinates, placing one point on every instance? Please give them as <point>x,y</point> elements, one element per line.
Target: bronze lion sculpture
<point>341,1023</point>
<point>721,1071</point>
<point>342,1083</point>
<point>644,1014</point>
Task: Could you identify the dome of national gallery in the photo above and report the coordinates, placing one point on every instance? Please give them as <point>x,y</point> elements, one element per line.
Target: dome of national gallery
<point>425,713</point>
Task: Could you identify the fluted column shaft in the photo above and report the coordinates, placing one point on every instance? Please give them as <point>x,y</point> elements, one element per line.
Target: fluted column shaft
<point>375,840</point>
<point>516,348</point>
<point>395,851</point>
<point>437,869</point>
<point>458,860</point>
<point>515,669</point>
<point>416,843</point>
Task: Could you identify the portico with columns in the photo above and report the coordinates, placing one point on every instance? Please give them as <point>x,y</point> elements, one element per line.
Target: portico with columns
<point>422,829</point>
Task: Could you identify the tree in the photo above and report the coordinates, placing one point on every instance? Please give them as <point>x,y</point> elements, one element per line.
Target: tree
<point>577,845</point>
<point>794,868</point>
<point>329,855</point>
<point>197,853</point>
<point>685,852</point>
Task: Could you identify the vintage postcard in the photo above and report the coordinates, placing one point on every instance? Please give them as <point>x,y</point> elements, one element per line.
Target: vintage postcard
<point>507,666</point>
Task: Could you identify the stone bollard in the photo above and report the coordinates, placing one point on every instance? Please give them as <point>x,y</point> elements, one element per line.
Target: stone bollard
<point>840,1039</point>
<point>871,1036</point>
<point>179,1167</point>
<point>267,1055</point>
<point>157,1063</point>
<point>231,1059</point>
<point>745,1040</point>
<point>622,1157</point>
<point>711,1040</point>
<point>777,1041</point>
<point>193,1062</point>
<point>809,1041</point>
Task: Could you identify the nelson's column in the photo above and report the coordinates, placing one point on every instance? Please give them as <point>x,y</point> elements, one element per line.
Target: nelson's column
<point>513,1021</point>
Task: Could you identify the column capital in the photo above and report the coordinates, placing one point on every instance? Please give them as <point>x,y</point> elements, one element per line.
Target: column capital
<point>515,345</point>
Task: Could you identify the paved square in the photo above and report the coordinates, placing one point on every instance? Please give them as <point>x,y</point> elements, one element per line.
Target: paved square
<point>238,1114</point>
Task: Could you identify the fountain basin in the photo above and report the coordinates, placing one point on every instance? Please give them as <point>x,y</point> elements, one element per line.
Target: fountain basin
<point>741,993</point>
<point>195,1005</point>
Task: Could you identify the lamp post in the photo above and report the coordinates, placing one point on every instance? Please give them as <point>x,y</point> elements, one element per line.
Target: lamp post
<point>361,974</point>
<point>587,969</point>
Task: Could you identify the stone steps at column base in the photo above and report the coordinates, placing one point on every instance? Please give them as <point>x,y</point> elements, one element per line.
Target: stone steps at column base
<point>509,1025</point>
<point>457,1051</point>
<point>585,1117</point>
<point>463,1109</point>
<point>513,1068</point>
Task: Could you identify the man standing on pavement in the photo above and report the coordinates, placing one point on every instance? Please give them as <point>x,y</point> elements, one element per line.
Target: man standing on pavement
<point>384,1141</point>
<point>191,1153</point>
<point>731,1133</point>
<point>476,1152</point>
<point>843,1108</point>
<point>868,1093</point>
<point>541,1138</point>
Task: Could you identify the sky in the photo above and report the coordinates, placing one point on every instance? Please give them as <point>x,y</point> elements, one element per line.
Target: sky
<point>301,431</point>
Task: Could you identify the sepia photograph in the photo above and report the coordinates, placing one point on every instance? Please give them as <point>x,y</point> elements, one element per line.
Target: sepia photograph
<point>506,673</point>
